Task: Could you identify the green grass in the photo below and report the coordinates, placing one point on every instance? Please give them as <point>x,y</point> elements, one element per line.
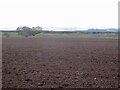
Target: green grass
<point>0,33</point>
<point>113,36</point>
<point>43,35</point>
<point>11,34</point>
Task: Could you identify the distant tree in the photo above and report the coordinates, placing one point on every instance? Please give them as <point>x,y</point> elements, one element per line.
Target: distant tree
<point>26,31</point>
<point>38,28</point>
<point>19,28</point>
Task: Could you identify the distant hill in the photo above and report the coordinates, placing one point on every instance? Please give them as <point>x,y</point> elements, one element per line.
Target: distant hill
<point>103,30</point>
<point>86,31</point>
<point>76,31</point>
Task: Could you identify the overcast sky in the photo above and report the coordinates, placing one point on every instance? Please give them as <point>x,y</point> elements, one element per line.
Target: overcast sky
<point>59,13</point>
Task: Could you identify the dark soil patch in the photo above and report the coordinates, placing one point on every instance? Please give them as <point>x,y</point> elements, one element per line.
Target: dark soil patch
<point>59,63</point>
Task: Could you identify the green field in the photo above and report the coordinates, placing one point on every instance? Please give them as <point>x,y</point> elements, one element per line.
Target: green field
<point>113,36</point>
<point>11,34</point>
<point>44,35</point>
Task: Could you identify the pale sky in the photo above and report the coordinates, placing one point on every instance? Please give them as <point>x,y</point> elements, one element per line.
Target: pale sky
<point>59,13</point>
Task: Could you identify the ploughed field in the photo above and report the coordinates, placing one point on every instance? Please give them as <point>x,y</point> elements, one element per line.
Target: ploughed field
<point>59,63</point>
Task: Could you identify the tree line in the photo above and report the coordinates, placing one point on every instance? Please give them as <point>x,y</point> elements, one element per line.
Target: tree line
<point>27,31</point>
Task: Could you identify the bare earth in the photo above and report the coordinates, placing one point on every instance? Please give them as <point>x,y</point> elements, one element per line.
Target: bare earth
<point>59,63</point>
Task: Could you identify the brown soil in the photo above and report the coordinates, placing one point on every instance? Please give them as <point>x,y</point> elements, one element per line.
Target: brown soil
<point>59,63</point>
